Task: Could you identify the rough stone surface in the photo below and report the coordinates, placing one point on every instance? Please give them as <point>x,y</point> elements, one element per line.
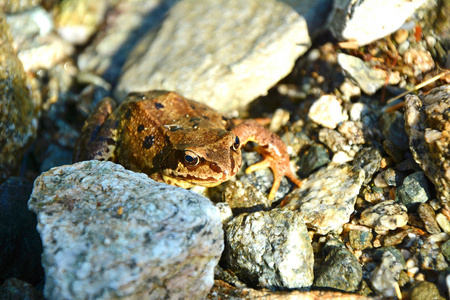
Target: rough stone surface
<point>326,200</point>
<point>223,53</point>
<point>327,111</point>
<point>369,160</point>
<point>413,191</point>
<point>366,77</point>
<point>340,270</point>
<point>361,21</point>
<point>20,245</point>
<point>270,249</point>
<point>427,122</point>
<point>18,123</point>
<point>107,53</point>
<point>386,215</point>
<point>108,232</point>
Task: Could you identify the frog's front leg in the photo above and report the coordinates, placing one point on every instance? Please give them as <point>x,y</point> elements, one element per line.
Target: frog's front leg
<point>273,150</point>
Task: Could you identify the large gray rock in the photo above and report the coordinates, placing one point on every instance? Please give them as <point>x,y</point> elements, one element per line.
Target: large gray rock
<point>108,232</point>
<point>368,20</point>
<point>223,53</point>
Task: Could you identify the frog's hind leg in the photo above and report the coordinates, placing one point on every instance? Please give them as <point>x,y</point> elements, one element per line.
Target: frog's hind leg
<point>96,140</point>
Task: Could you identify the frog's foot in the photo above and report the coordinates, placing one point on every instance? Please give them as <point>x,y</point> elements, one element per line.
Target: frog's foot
<point>280,167</point>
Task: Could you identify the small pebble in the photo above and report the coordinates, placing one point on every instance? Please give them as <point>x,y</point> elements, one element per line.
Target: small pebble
<point>401,35</point>
<point>425,290</point>
<point>386,215</point>
<point>443,222</point>
<point>428,216</point>
<point>327,111</point>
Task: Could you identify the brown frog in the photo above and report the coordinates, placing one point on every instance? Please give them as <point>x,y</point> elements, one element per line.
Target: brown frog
<point>177,141</point>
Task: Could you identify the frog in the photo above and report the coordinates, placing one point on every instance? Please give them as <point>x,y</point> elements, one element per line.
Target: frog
<point>178,141</point>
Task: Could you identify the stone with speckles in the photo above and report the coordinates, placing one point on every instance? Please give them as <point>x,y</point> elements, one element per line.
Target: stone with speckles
<point>112,233</point>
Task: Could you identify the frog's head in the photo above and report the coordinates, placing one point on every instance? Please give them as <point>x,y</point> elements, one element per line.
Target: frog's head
<point>205,159</point>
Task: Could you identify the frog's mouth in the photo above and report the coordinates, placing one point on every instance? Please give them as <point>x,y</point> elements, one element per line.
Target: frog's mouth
<point>187,181</point>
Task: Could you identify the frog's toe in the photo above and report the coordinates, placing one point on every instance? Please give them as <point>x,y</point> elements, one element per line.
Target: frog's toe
<point>265,163</point>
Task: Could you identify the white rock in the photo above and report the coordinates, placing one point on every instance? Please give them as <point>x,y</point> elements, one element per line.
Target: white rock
<point>327,111</point>
<point>111,233</point>
<point>368,20</point>
<point>223,53</point>
<point>367,78</point>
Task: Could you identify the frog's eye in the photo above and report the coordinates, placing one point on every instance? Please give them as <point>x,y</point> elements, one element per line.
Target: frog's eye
<point>236,144</point>
<point>191,158</point>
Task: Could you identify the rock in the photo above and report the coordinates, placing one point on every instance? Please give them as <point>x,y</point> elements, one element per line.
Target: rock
<point>393,177</point>
<point>420,60</point>
<point>384,277</point>
<point>393,151</point>
<point>107,53</point>
<point>14,6</point>
<point>244,197</point>
<point>401,35</point>
<point>425,290</point>
<point>431,257</point>
<point>386,215</point>
<point>20,245</point>
<point>367,78</point>
<point>18,123</point>
<point>443,222</point>
<point>316,157</point>
<point>413,191</point>
<point>360,21</point>
<point>326,200</point>
<point>368,159</point>
<point>393,128</point>
<point>77,20</point>
<point>314,12</point>
<point>445,249</point>
<point>428,216</point>
<point>14,288</point>
<point>108,232</point>
<point>270,249</point>
<point>37,45</point>
<point>225,212</point>
<point>222,53</point>
<point>327,111</point>
<point>427,123</point>
<point>352,132</point>
<point>340,270</point>
<point>333,140</point>
<point>360,239</point>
